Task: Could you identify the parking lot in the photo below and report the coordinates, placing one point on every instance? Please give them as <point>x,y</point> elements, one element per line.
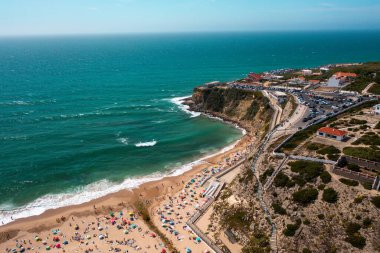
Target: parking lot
<point>320,105</point>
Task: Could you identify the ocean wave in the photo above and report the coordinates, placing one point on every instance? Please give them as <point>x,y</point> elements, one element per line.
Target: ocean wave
<point>80,115</point>
<point>179,102</point>
<point>158,121</point>
<point>123,140</point>
<point>80,195</point>
<point>27,103</point>
<point>17,137</point>
<point>146,144</point>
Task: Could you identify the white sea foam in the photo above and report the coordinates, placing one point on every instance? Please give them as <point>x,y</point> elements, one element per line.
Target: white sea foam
<point>92,191</point>
<point>179,102</point>
<point>123,140</point>
<point>146,144</point>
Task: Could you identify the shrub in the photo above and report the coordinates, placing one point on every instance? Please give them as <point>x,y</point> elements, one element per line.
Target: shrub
<point>299,180</point>
<point>266,174</point>
<point>281,180</point>
<point>356,240</point>
<point>291,229</point>
<point>308,170</point>
<point>330,195</point>
<point>354,121</point>
<point>368,139</point>
<point>363,152</point>
<point>325,177</point>
<point>349,182</point>
<point>306,250</point>
<point>329,150</point>
<point>306,222</point>
<point>376,201</point>
<point>366,185</point>
<point>321,187</point>
<point>359,199</point>
<point>313,146</point>
<point>367,222</point>
<point>321,216</point>
<point>352,228</point>
<point>290,184</point>
<point>278,208</point>
<point>333,157</point>
<point>305,196</point>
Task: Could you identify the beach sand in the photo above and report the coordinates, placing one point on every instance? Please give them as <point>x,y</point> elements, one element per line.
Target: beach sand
<point>124,232</point>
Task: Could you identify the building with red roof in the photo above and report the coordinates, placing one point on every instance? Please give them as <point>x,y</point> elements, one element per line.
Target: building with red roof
<point>255,77</point>
<point>345,75</point>
<point>332,133</point>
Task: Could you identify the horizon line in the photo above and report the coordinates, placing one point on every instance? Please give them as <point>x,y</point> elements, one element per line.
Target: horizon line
<point>181,32</point>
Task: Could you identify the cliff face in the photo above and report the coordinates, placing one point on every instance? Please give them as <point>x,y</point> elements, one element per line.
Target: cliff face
<point>250,109</point>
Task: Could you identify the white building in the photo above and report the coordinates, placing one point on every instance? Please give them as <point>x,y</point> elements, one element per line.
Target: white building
<point>307,72</point>
<point>332,133</point>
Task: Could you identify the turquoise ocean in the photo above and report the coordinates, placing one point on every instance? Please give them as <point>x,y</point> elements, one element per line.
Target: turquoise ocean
<point>83,116</point>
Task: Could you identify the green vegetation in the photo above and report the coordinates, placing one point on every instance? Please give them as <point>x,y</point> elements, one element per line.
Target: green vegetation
<point>375,89</point>
<point>377,125</point>
<point>366,75</point>
<point>246,177</point>
<point>325,177</point>
<point>281,180</point>
<point>359,199</point>
<point>305,196</point>
<point>332,152</point>
<point>353,167</point>
<point>355,121</point>
<point>236,218</point>
<point>306,250</point>
<point>329,150</point>
<point>330,195</point>
<point>349,182</point>
<point>369,139</point>
<point>266,174</point>
<point>315,146</point>
<point>353,235</point>
<point>291,229</point>
<point>302,135</point>
<point>308,171</point>
<point>258,243</point>
<point>278,209</point>
<point>321,216</point>
<point>363,152</point>
<point>367,222</point>
<point>366,185</point>
<point>333,157</point>
<point>376,201</point>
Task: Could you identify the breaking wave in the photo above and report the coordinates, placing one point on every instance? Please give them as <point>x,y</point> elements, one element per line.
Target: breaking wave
<point>146,144</point>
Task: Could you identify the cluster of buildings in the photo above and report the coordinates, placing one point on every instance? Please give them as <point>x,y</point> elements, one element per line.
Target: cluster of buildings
<point>302,78</point>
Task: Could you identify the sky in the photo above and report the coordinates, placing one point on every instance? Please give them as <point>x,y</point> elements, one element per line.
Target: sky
<point>48,17</point>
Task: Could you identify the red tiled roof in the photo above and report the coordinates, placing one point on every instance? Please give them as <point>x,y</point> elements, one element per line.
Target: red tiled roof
<point>313,81</point>
<point>255,76</point>
<point>344,74</point>
<point>332,131</point>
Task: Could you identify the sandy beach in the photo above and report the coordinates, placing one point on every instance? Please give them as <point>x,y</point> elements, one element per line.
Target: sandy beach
<point>112,223</point>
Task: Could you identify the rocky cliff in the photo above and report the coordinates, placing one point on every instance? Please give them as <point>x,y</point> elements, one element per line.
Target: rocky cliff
<point>250,109</point>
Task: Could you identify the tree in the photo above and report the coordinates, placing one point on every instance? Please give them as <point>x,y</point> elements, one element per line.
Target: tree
<point>330,195</point>
<point>325,177</point>
<point>305,196</point>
